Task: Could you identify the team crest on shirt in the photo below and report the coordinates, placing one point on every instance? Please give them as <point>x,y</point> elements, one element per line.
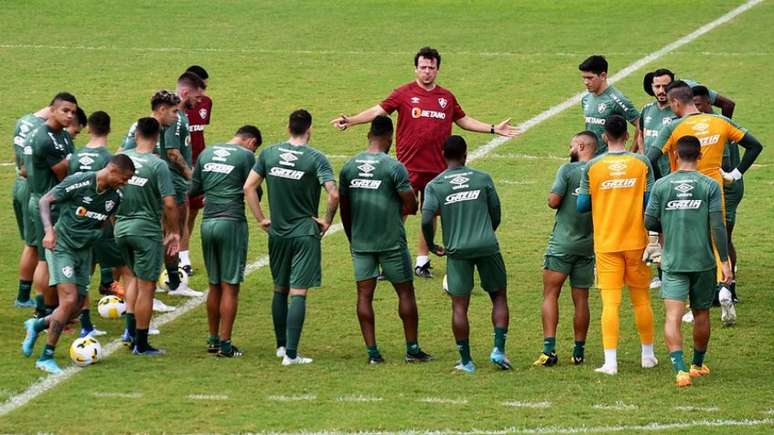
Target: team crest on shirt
<point>68,271</point>
<point>601,107</point>
<point>109,204</point>
<point>443,102</point>
<point>203,113</point>
<point>414,100</point>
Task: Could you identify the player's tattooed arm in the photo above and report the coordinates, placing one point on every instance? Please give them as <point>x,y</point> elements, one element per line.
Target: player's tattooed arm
<point>174,156</point>
<point>172,233</point>
<point>251,196</point>
<point>330,209</point>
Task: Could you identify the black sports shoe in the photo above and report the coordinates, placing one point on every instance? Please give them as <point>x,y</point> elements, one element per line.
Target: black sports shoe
<point>577,360</point>
<point>418,356</point>
<point>235,353</point>
<point>188,269</point>
<point>213,347</point>
<point>732,289</point>
<point>424,270</point>
<point>546,360</point>
<point>375,359</point>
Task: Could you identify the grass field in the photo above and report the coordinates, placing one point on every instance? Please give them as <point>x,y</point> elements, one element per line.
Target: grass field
<point>502,59</point>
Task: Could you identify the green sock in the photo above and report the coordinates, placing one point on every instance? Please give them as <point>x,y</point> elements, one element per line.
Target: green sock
<point>463,347</point>
<point>412,347</point>
<point>40,325</point>
<point>296,315</point>
<point>578,350</point>
<point>678,364</point>
<point>500,334</point>
<point>25,287</point>
<point>40,305</point>
<point>214,340</point>
<point>279,315</point>
<point>131,325</point>
<point>105,276</point>
<point>373,351</point>
<point>48,353</point>
<point>549,345</point>
<point>698,357</point>
<point>86,320</point>
<point>225,346</point>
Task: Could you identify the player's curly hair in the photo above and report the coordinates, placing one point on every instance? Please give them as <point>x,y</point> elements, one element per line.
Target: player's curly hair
<point>164,98</point>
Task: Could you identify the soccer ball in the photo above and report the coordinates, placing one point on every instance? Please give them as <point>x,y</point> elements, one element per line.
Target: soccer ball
<point>163,282</point>
<point>85,351</point>
<point>111,307</point>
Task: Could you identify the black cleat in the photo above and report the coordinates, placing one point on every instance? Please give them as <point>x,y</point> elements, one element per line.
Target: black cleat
<point>577,360</point>
<point>375,359</point>
<point>235,353</point>
<point>424,271</point>
<point>213,347</point>
<point>418,356</point>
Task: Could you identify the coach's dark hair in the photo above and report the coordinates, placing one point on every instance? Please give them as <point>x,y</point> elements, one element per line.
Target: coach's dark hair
<point>701,91</point>
<point>615,127</point>
<point>428,53</point>
<point>164,98</point>
<point>300,121</point>
<point>589,134</point>
<point>99,123</point>
<point>191,80</point>
<point>381,126</point>
<point>80,116</point>
<point>455,148</point>
<point>148,128</point>
<point>250,132</point>
<point>688,148</point>
<point>664,72</point>
<point>199,71</point>
<point>596,64</point>
<point>680,91</point>
<point>647,81</point>
<point>123,162</point>
<point>64,96</point>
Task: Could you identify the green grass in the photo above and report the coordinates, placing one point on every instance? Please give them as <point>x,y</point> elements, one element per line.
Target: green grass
<point>502,60</point>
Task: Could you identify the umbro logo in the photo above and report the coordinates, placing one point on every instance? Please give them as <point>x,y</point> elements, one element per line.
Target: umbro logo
<point>288,157</point>
<point>617,166</point>
<point>86,161</point>
<point>366,167</point>
<point>221,153</point>
<point>459,180</point>
<point>684,188</point>
<point>414,100</point>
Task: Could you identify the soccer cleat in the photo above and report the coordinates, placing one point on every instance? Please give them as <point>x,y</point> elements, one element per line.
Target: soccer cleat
<point>424,270</point>
<point>727,309</point>
<point>127,340</point>
<point>688,317</point>
<point>698,371</point>
<point>375,359</point>
<point>655,282</point>
<point>29,340</point>
<point>577,360</point>
<point>161,307</point>
<point>546,360</point>
<point>152,330</point>
<point>235,353</point>
<point>93,332</point>
<point>48,365</point>
<point>184,290</point>
<point>499,359</point>
<point>648,362</point>
<point>150,351</point>
<point>467,368</point>
<point>608,370</point>
<point>280,352</point>
<point>29,303</point>
<point>418,356</point>
<point>213,347</point>
<point>297,360</point>
<point>188,269</point>
<point>683,379</point>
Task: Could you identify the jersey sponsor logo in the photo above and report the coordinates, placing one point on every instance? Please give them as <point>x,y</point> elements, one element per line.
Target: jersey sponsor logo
<point>18,140</point>
<point>416,112</point>
<point>137,181</point>
<point>220,168</point>
<point>443,102</point>
<point>83,212</point>
<point>601,107</point>
<point>414,100</point>
<point>683,204</point>
<point>221,154</point>
<point>591,120</point>
<point>709,140</point>
<point>365,184</point>
<point>366,169</point>
<point>286,173</point>
<point>72,187</point>
<point>109,204</point>
<point>67,271</point>
<point>195,128</point>
<point>620,102</point>
<point>623,183</point>
<point>468,195</point>
<point>650,133</point>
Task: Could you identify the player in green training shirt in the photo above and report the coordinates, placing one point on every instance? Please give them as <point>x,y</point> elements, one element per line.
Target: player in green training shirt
<point>294,173</point>
<point>164,110</point>
<point>570,253</point>
<point>686,206</point>
<point>220,175</point>
<point>86,202</point>
<point>46,154</point>
<point>21,195</point>
<point>138,232</point>
<point>375,193</point>
<point>602,100</point>
<point>470,214</point>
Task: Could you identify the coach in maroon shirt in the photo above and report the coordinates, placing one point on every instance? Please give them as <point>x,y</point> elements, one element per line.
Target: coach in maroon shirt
<point>426,112</point>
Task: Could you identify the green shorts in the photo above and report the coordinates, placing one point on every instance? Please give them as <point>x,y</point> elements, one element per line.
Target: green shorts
<point>35,233</point>
<point>491,271</point>
<point>579,268</point>
<point>733,194</point>
<point>181,186</point>
<point>107,254</point>
<point>224,244</point>
<point>295,262</point>
<point>696,287</point>
<point>21,199</point>
<point>70,266</point>
<point>143,255</point>
<point>396,265</point>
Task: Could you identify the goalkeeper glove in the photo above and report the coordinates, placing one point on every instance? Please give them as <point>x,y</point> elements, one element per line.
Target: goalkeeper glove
<point>731,177</point>
<point>652,252</point>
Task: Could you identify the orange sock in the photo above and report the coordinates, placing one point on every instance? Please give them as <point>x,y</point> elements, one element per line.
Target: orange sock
<point>643,314</point>
<point>611,303</point>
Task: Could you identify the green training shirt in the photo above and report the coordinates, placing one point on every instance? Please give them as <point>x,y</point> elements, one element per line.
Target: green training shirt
<point>294,174</point>
<point>83,211</point>
<point>597,108</point>
<point>177,136</point>
<point>683,201</point>
<point>24,127</point>
<point>221,175</point>
<point>44,149</point>
<point>130,143</point>
<point>573,231</point>
<point>468,203</point>
<point>89,159</point>
<point>371,182</point>
<point>141,209</point>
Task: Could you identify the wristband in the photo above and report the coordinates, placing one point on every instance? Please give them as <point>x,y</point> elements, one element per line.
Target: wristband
<point>491,129</point>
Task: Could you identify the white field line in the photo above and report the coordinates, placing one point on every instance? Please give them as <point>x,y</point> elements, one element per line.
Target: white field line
<point>617,406</point>
<point>697,408</point>
<point>112,395</point>
<point>51,381</point>
<point>536,405</point>
<point>443,401</point>
<point>359,398</point>
<point>304,397</point>
<point>207,397</point>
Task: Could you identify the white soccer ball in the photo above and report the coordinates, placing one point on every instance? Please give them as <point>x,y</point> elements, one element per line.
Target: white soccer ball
<point>163,282</point>
<point>111,307</point>
<point>85,351</point>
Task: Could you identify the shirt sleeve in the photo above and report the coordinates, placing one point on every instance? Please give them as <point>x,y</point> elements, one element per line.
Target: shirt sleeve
<point>430,201</point>
<point>344,182</point>
<point>458,112</point>
<point>324,170</point>
<point>651,178</point>
<point>172,136</point>
<point>400,178</point>
<point>734,132</point>
<point>715,198</point>
<point>60,191</point>
<point>493,204</point>
<point>249,164</point>
<point>260,165</point>
<point>196,181</point>
<point>654,202</point>
<point>392,102</point>
<point>560,182</point>
<point>164,180</point>
<point>584,183</point>
<point>626,108</point>
<point>206,119</point>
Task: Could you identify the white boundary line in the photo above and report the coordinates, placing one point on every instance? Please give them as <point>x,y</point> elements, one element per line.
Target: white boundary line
<point>51,381</point>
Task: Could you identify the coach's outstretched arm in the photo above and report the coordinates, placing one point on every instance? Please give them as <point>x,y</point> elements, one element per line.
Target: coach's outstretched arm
<point>368,115</point>
<point>504,128</point>
<point>251,195</point>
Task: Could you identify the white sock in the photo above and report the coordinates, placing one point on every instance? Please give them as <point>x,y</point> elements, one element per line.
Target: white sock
<point>611,358</point>
<point>422,260</point>
<point>184,259</point>
<point>647,351</point>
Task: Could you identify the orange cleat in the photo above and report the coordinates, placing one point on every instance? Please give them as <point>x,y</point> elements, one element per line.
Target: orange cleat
<point>698,371</point>
<point>683,379</point>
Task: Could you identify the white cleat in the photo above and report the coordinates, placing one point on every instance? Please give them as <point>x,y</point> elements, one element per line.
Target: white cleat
<point>727,309</point>
<point>280,352</point>
<point>688,317</point>
<point>655,282</point>
<point>184,290</point>
<point>152,330</point>
<point>297,360</point>
<point>608,370</point>
<point>161,307</point>
<point>648,362</point>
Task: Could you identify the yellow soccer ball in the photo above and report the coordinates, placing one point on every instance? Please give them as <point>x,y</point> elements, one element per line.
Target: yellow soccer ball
<point>111,307</point>
<point>85,351</point>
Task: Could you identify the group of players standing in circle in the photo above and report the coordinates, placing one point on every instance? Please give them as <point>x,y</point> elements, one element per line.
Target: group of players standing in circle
<point>131,212</point>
